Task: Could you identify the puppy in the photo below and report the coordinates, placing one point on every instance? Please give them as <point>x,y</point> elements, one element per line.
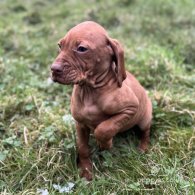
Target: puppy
<point>106,99</point>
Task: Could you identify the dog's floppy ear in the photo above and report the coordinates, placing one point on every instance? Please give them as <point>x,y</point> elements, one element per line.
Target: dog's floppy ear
<point>118,58</point>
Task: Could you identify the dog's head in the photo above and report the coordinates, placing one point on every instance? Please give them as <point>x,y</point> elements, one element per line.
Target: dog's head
<point>86,53</point>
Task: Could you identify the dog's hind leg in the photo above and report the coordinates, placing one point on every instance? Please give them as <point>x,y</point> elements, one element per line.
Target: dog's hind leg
<point>144,138</point>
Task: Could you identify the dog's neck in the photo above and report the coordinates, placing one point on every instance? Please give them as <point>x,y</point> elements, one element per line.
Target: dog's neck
<point>100,80</point>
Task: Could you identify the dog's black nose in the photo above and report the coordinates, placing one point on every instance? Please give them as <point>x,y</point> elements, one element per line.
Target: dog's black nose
<point>57,68</point>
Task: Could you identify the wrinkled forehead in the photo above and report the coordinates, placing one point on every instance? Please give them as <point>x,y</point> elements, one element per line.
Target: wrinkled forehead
<point>87,32</point>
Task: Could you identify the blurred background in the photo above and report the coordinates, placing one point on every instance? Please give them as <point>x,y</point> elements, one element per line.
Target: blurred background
<point>37,141</point>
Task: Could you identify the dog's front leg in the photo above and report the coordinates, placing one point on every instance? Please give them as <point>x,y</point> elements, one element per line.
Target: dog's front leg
<point>84,161</point>
<point>106,130</point>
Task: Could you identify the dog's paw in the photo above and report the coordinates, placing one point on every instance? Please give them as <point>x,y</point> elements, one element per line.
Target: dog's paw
<point>86,173</point>
<point>105,145</point>
<point>85,168</point>
<point>142,148</point>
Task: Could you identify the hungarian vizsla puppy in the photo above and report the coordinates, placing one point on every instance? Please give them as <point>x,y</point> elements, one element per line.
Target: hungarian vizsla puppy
<point>106,99</point>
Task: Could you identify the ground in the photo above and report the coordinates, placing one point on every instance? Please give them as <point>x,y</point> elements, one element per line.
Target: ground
<point>37,133</point>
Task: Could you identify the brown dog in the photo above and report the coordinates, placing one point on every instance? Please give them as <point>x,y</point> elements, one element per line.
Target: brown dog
<point>106,99</point>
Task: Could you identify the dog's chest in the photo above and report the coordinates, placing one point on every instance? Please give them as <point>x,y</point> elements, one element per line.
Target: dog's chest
<point>87,111</point>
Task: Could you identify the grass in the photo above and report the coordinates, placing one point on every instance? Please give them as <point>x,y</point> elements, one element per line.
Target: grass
<point>37,144</point>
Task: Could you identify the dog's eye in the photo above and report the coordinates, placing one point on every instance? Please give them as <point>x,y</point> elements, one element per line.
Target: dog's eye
<point>81,49</point>
<point>59,45</point>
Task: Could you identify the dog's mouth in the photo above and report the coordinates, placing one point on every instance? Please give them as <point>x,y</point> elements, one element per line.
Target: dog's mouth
<point>68,76</point>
